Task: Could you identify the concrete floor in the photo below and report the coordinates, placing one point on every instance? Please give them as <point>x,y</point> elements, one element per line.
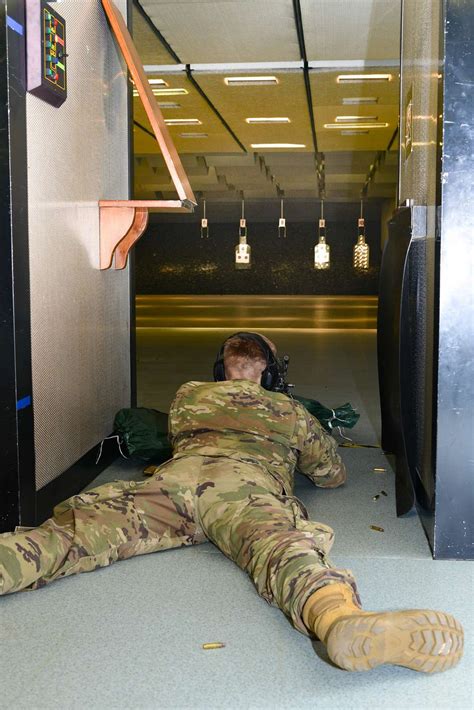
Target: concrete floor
<point>130,636</point>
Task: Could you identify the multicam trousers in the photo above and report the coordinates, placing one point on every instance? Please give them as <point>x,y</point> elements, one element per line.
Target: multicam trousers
<point>237,506</point>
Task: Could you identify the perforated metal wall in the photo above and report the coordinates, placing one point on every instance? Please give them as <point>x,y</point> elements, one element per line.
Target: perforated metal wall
<point>420,78</point>
<point>77,154</point>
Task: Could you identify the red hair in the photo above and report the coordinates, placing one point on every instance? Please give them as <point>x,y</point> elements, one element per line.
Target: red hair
<point>240,351</point>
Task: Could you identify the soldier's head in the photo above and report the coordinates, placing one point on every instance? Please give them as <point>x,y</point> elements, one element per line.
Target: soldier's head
<point>245,358</point>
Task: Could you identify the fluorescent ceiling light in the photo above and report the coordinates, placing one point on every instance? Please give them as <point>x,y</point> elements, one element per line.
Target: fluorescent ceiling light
<point>279,145</point>
<point>271,119</point>
<point>360,78</point>
<point>168,104</point>
<point>193,135</point>
<point>356,125</point>
<point>183,121</point>
<point>169,92</point>
<point>354,132</point>
<point>250,80</point>
<point>355,119</point>
<point>164,92</point>
<point>158,82</point>
<point>359,100</point>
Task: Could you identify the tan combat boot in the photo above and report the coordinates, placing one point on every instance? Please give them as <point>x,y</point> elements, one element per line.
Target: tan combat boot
<point>427,641</point>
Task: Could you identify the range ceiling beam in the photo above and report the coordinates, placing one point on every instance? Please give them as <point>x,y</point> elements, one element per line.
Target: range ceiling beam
<point>213,108</point>
<point>144,129</point>
<point>307,84</point>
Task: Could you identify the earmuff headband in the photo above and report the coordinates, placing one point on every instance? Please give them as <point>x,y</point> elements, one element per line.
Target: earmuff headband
<point>270,372</point>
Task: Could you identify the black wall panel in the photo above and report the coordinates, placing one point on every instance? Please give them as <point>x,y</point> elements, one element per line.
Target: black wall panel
<point>454,522</point>
<point>172,258</point>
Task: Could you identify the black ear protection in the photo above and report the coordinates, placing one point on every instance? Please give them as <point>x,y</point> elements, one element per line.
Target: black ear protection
<point>271,373</point>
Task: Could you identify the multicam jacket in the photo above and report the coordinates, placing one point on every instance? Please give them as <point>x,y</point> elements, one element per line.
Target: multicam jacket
<point>241,420</point>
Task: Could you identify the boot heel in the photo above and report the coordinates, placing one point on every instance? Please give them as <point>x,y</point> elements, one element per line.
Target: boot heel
<point>423,640</point>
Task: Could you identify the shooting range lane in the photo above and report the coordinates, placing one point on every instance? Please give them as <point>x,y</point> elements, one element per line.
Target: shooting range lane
<point>276,312</point>
<point>153,613</point>
<point>330,340</point>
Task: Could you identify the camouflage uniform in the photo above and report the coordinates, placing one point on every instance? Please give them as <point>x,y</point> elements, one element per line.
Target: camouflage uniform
<point>230,481</point>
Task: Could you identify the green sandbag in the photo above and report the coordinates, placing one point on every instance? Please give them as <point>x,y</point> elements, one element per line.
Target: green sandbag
<point>144,432</point>
<point>343,416</point>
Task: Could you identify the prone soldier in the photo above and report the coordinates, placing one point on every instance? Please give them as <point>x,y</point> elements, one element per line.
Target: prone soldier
<point>236,444</point>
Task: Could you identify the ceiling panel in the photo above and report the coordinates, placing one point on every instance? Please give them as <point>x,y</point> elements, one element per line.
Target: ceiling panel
<point>342,195</point>
<point>244,175</point>
<point>285,99</point>
<point>290,172</point>
<point>346,179</point>
<point>307,194</point>
<point>326,91</point>
<point>227,30</point>
<point>191,105</point>
<point>343,139</point>
<point>143,143</point>
<point>250,193</point>
<point>386,175</point>
<point>302,161</point>
<point>151,51</point>
<point>231,160</point>
<point>359,29</point>
<point>347,161</point>
<point>328,97</point>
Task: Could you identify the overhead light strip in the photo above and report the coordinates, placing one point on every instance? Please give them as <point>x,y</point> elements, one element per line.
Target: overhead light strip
<point>338,126</point>
<point>269,119</point>
<point>164,92</point>
<point>359,100</point>
<point>360,78</point>
<point>193,135</point>
<point>183,122</point>
<point>355,119</point>
<point>170,92</point>
<point>278,145</point>
<point>250,80</point>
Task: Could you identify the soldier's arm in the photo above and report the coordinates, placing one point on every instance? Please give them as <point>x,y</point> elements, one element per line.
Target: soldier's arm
<point>318,458</point>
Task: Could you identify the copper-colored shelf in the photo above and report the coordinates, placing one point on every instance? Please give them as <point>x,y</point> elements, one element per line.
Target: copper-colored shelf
<point>153,205</point>
<point>122,222</point>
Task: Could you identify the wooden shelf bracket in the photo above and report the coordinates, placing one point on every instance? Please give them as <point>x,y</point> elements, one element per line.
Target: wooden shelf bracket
<point>120,228</point>
<point>122,222</point>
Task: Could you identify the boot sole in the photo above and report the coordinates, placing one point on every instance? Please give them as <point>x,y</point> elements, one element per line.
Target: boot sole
<point>426,641</point>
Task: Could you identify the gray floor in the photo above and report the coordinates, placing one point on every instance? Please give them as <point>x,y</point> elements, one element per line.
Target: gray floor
<point>130,636</point>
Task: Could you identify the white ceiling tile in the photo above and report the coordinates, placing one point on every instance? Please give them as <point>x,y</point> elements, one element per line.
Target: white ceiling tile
<point>151,51</point>
<point>238,31</point>
<point>351,29</point>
